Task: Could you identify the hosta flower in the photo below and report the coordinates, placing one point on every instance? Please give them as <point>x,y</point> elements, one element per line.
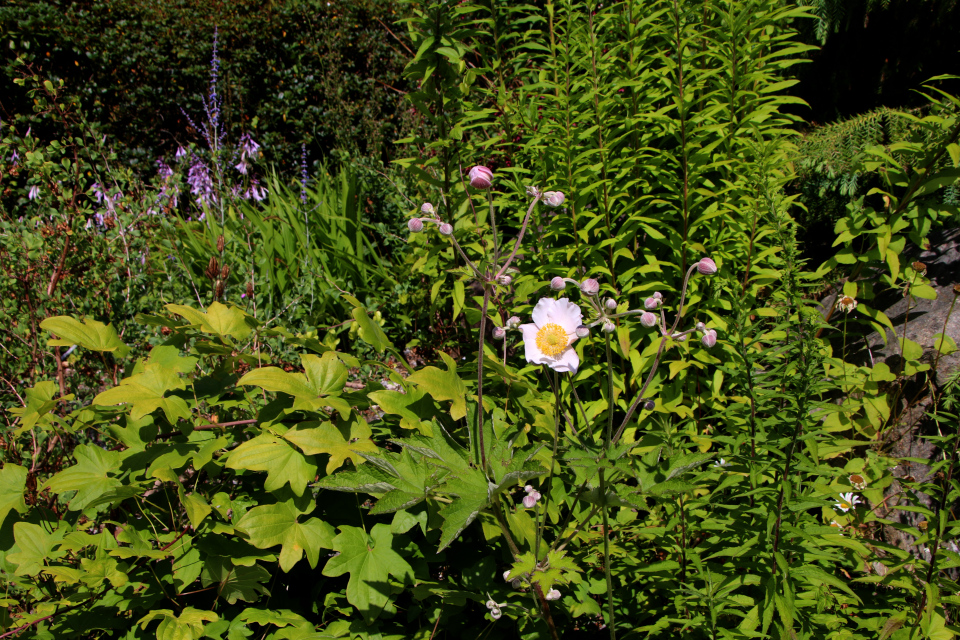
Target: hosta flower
<point>846,304</point>
<point>553,198</point>
<point>549,338</point>
<point>553,594</point>
<point>847,501</point>
<point>480,177</point>
<point>707,267</point>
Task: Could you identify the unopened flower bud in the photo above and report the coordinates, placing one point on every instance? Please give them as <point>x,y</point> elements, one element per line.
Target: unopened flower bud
<point>553,594</point>
<point>709,338</point>
<point>701,326</point>
<point>610,304</point>
<point>608,326</point>
<point>658,295</point>
<point>220,243</point>
<point>506,575</point>
<point>553,198</point>
<point>415,225</point>
<point>499,333</point>
<point>919,267</point>
<point>707,267</point>
<point>533,192</point>
<point>495,613</point>
<point>427,209</point>
<point>513,322</point>
<point>446,229</point>
<point>505,280</point>
<point>648,319</point>
<point>557,284</point>
<point>651,303</point>
<point>491,604</point>
<point>480,177</point>
<point>682,338</point>
<point>583,331</point>
<point>649,405</point>
<point>590,287</point>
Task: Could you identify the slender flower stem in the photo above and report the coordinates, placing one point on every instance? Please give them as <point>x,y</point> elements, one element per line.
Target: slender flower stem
<point>493,227</point>
<point>603,491</point>
<point>553,464</point>
<point>483,335</point>
<point>516,245</point>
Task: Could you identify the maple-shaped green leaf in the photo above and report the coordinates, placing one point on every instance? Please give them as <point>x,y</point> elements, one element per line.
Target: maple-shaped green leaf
<point>472,493</point>
<point>39,403</point>
<point>443,385</point>
<point>269,525</point>
<point>340,441</point>
<point>281,460</point>
<point>219,319</point>
<point>366,479</point>
<point>412,480</point>
<point>512,466</point>
<point>370,560</point>
<point>277,617</point>
<point>96,571</point>
<point>400,404</point>
<point>187,626</point>
<point>88,334</point>
<point>36,546</point>
<point>13,480</point>
<point>234,582</point>
<point>439,449</point>
<point>146,391</point>
<point>88,477</point>
<point>554,569</point>
<point>319,386</point>
<point>169,357</point>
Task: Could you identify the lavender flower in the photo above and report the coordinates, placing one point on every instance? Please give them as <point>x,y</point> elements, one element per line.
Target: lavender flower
<point>200,183</point>
<point>34,192</point>
<point>303,173</point>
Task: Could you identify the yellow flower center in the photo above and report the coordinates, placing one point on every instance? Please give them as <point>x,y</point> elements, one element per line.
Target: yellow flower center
<point>552,339</point>
<point>844,505</point>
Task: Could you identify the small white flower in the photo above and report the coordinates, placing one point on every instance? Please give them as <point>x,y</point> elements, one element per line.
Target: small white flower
<point>721,463</point>
<point>491,604</point>
<point>549,338</point>
<point>506,575</point>
<point>847,501</point>
<point>553,594</point>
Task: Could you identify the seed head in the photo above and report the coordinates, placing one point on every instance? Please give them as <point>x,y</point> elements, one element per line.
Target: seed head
<point>224,272</point>
<point>919,267</point>
<point>220,243</point>
<point>480,177</point>
<point>250,289</point>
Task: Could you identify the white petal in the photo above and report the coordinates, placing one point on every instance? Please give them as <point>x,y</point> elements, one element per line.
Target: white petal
<point>543,311</point>
<point>567,315</point>
<point>530,349</point>
<point>568,362</point>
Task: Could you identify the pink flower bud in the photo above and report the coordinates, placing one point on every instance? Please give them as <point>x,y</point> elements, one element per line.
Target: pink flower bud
<point>506,575</point>
<point>499,333</point>
<point>480,177</point>
<point>657,295</point>
<point>557,284</point>
<point>505,280</point>
<point>709,338</point>
<point>530,500</point>
<point>682,338</point>
<point>496,613</point>
<point>583,331</point>
<point>533,192</point>
<point>553,594</point>
<point>650,405</point>
<point>415,225</point>
<point>707,267</point>
<point>590,287</point>
<point>651,303</point>
<point>513,322</point>
<point>608,327</point>
<point>446,229</point>
<point>427,209</point>
<point>610,304</point>
<point>701,326</point>
<point>553,198</point>
<point>648,319</point>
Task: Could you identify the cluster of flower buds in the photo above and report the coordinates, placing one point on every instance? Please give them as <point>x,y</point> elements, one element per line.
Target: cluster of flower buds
<point>532,497</point>
<point>415,225</point>
<point>494,608</point>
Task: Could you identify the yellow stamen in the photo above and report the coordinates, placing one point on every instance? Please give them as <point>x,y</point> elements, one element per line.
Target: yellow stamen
<point>552,339</point>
